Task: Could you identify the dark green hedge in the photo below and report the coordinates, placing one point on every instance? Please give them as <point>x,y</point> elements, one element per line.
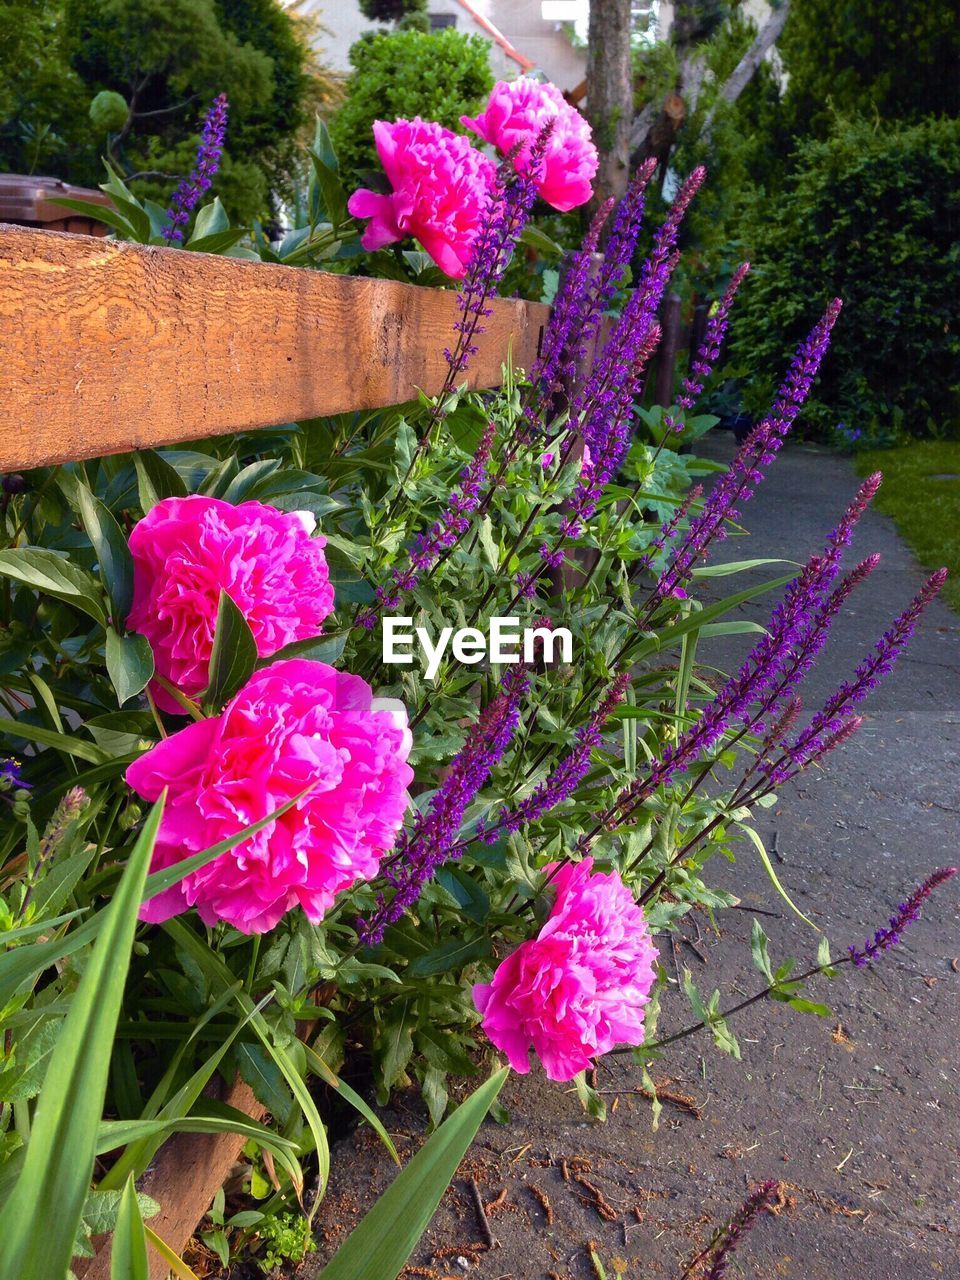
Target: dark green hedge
<point>872,214</point>
<point>397,75</point>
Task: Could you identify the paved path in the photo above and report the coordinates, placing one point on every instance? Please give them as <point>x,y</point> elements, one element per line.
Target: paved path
<point>859,1114</point>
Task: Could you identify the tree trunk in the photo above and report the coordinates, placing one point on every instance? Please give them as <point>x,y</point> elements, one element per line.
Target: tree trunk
<point>610,94</point>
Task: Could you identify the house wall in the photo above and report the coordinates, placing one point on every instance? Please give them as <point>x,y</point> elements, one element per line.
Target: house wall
<point>543,42</point>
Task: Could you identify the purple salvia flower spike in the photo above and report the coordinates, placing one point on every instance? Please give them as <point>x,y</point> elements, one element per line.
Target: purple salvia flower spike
<point>867,675</point>
<point>433,839</point>
<point>746,471</point>
<point>906,914</point>
<point>709,349</point>
<point>187,195</point>
<point>510,202</point>
<point>765,1197</point>
<point>567,775</point>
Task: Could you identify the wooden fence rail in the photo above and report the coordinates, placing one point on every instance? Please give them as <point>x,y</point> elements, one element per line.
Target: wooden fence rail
<point>107,347</point>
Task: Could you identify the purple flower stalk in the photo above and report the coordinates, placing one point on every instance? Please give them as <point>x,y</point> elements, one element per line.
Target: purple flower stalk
<point>564,779</point>
<point>867,676</point>
<point>443,535</point>
<point>590,409</point>
<point>571,319</point>
<point>587,291</point>
<point>187,195</point>
<point>668,531</point>
<point>709,349</point>
<point>433,838</point>
<point>906,913</point>
<point>764,1197</point>
<point>610,434</point>
<point>746,471</point>
<point>510,202</point>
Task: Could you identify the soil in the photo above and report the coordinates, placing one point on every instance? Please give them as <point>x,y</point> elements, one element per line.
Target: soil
<point>858,1115</point>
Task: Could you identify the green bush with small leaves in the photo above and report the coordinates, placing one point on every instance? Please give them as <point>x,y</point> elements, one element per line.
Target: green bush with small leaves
<point>397,75</point>
<point>870,216</point>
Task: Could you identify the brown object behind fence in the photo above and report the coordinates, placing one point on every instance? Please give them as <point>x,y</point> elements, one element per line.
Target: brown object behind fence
<point>108,347</point>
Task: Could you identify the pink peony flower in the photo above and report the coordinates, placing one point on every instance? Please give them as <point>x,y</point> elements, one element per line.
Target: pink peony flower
<point>516,113</point>
<point>293,723</point>
<point>579,988</point>
<point>441,185</point>
<point>187,550</point>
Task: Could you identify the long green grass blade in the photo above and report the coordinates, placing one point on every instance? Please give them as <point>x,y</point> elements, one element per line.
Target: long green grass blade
<point>175,1263</point>
<point>215,968</point>
<point>39,1221</point>
<point>128,1246</point>
<point>379,1247</point>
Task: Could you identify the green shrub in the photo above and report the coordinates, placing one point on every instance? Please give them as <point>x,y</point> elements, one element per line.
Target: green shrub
<point>401,74</point>
<point>870,215</point>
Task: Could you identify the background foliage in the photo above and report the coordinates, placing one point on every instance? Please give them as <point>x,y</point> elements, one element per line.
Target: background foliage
<point>439,76</point>
<point>168,59</point>
<point>871,215</point>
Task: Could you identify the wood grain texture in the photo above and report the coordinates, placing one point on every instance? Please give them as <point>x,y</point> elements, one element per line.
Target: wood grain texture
<point>189,1170</point>
<point>107,347</point>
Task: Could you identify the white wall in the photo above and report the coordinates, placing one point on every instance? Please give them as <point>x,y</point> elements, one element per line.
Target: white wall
<point>544,43</point>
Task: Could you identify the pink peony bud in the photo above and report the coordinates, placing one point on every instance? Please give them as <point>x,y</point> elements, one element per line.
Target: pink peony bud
<point>293,724</point>
<point>441,187</point>
<point>515,115</point>
<point>580,987</point>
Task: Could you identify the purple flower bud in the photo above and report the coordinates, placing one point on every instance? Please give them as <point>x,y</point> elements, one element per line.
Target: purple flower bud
<point>906,914</point>
<point>187,195</point>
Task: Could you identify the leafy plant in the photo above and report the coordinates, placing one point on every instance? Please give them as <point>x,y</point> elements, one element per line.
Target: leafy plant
<point>869,215</point>
<point>439,76</point>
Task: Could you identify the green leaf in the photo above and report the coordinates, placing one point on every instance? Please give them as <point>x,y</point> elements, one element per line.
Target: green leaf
<point>823,958</point>
<point>590,1100</point>
<point>234,654</point>
<point>50,738</point>
<point>539,240</point>
<point>379,1247</point>
<point>129,663</point>
<point>156,479</point>
<point>758,945</point>
<point>128,1248</point>
<point>774,879</point>
<point>326,178</point>
<point>211,220</point>
<point>396,1043</point>
<point>350,1095</point>
<point>114,561</point>
<point>128,204</point>
<point>326,649</point>
<point>40,1219</point>
<point>810,1006</point>
<point>100,212</point>
<point>32,1052</point>
<point>433,1090</point>
<point>55,576</point>
<point>450,955</point>
<point>733,566</point>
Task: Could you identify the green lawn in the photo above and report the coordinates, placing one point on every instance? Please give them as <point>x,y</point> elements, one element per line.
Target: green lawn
<point>926,509</point>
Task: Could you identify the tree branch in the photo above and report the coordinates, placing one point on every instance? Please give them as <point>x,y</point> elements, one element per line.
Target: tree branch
<point>747,67</point>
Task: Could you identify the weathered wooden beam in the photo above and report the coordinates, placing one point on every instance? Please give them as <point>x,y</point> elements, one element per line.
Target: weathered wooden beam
<point>107,347</point>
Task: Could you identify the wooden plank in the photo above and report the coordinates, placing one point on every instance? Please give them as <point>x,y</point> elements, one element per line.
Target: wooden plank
<point>107,347</point>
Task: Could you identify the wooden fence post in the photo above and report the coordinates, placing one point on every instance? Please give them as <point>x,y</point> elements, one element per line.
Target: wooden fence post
<point>669,347</point>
